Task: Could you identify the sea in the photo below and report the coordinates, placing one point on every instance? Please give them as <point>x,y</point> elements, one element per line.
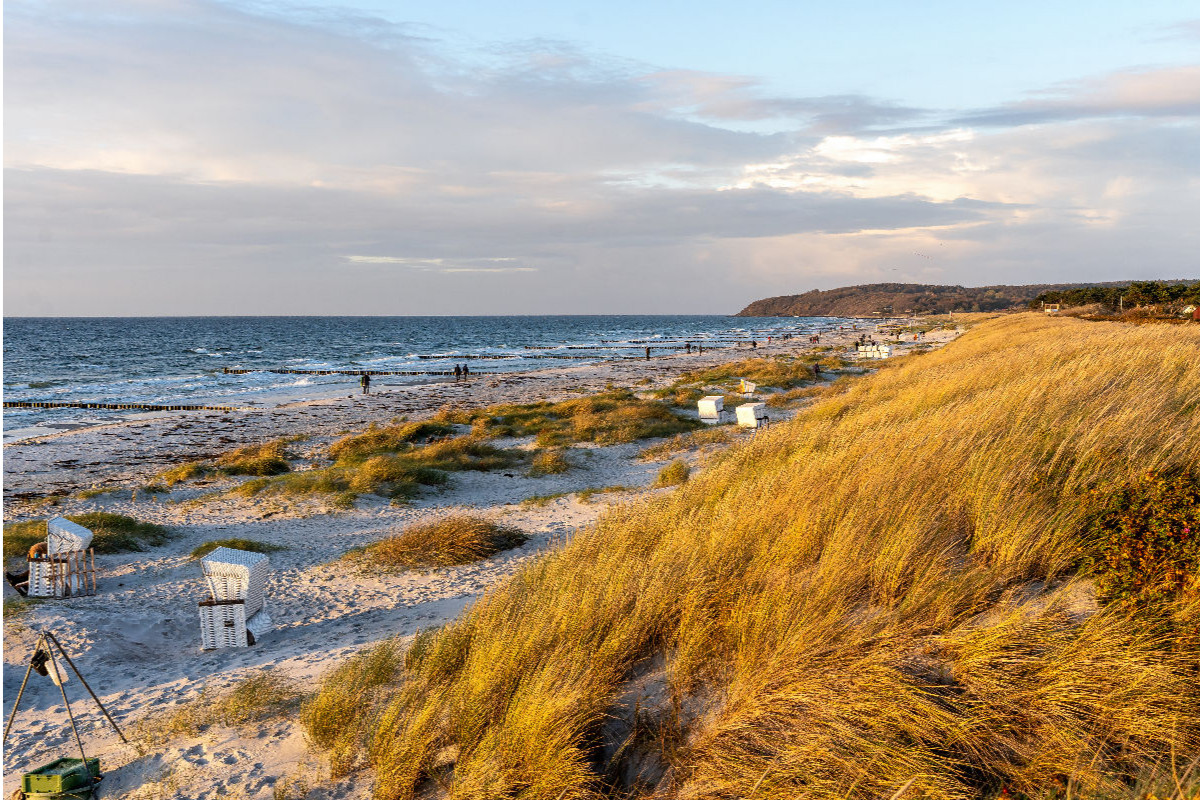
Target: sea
<point>244,361</point>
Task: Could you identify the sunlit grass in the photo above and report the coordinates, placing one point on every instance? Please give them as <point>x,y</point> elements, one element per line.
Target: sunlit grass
<point>552,461</point>
<point>261,695</point>
<point>673,474</point>
<point>366,467</point>
<point>612,417</point>
<point>268,458</point>
<point>445,542</point>
<point>815,602</point>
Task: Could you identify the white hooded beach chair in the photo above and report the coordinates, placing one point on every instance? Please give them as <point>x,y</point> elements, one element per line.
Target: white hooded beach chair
<point>752,415</point>
<point>68,567</point>
<point>64,536</point>
<point>237,575</point>
<point>235,613</point>
<point>710,408</point>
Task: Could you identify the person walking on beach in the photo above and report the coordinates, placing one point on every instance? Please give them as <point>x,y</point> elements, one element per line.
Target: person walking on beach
<point>647,353</point>
<point>466,371</point>
<point>365,382</point>
<point>457,372</point>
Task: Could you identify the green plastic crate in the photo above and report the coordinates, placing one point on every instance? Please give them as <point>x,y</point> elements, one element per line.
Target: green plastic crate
<point>59,778</point>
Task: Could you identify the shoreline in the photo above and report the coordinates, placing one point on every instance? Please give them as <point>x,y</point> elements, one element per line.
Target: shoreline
<point>63,462</point>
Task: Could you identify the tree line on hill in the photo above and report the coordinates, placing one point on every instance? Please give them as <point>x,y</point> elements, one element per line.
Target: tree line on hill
<point>1166,295</point>
<point>895,299</point>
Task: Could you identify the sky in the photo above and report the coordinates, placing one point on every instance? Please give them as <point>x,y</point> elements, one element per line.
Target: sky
<point>196,157</point>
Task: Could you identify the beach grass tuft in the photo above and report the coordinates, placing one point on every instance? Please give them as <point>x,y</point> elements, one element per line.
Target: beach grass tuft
<point>370,469</point>
<point>551,461</point>
<point>447,542</point>
<point>673,474</point>
<point>261,695</point>
<point>268,458</point>
<point>543,500</point>
<point>683,442</point>
<point>184,472</point>
<point>592,492</point>
<point>338,714</point>
<point>391,439</point>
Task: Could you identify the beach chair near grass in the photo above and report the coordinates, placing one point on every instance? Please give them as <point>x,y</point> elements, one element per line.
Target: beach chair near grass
<point>752,415</point>
<point>710,408</point>
<point>234,614</point>
<point>66,565</point>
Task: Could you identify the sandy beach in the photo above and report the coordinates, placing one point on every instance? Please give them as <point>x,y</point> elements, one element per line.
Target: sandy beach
<point>137,639</point>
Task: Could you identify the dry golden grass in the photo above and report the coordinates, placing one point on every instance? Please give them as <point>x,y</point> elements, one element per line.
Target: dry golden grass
<point>442,543</point>
<point>268,458</point>
<point>877,595</point>
<point>366,466</point>
<point>552,461</point>
<point>332,717</point>
<point>392,439</point>
<point>781,372</point>
<point>183,472</point>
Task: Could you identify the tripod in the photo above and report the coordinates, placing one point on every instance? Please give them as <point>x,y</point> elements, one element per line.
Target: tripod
<point>43,651</point>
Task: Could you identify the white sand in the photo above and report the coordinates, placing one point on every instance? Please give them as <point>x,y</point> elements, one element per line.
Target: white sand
<point>137,641</point>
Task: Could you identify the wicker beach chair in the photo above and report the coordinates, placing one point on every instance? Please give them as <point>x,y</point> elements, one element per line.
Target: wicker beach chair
<point>237,575</point>
<point>235,614</point>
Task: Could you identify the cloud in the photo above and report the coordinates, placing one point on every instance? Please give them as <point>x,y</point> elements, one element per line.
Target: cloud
<point>1172,92</point>
<point>446,266</point>
<point>189,156</point>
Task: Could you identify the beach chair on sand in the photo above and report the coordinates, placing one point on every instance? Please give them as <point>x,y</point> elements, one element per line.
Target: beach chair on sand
<point>64,566</point>
<point>234,614</point>
<point>752,415</point>
<point>710,408</point>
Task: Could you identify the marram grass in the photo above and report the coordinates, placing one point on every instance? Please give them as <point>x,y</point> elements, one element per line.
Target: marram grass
<point>882,594</point>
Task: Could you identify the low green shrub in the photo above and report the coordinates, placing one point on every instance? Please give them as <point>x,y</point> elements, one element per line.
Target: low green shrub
<point>1146,542</point>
